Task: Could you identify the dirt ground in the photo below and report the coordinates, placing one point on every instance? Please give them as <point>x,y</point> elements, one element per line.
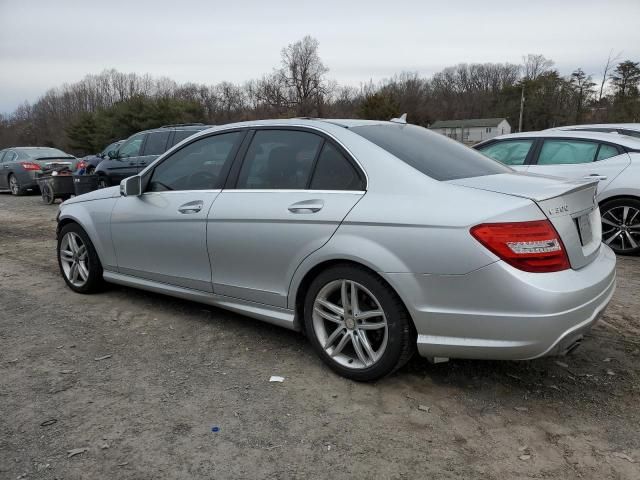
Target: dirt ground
<point>141,381</point>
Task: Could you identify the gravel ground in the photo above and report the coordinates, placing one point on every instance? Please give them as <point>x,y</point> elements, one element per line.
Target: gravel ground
<point>138,381</point>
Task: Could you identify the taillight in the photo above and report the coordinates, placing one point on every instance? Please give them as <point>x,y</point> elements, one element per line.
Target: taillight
<point>30,166</point>
<point>529,246</point>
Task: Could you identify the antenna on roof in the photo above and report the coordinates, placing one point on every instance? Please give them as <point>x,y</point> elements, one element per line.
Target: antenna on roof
<point>402,119</point>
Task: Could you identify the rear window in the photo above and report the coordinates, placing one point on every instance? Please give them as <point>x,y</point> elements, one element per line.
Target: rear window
<point>36,153</point>
<point>430,153</point>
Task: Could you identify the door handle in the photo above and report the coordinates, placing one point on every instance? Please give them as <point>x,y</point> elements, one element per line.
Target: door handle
<point>191,207</point>
<point>306,206</point>
<point>595,176</point>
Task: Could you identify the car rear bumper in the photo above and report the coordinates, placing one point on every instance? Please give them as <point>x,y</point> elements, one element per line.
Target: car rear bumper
<point>499,312</point>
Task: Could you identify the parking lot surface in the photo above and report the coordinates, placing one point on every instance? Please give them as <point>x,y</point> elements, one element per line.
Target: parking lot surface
<point>129,384</point>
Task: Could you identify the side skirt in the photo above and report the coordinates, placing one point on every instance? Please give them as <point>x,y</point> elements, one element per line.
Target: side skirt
<point>281,317</point>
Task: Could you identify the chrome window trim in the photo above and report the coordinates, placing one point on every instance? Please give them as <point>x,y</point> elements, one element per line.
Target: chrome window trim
<point>293,190</point>
<point>308,127</point>
<point>217,190</point>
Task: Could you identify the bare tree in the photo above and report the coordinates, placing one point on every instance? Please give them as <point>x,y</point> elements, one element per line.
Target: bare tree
<point>303,73</point>
<point>607,67</point>
<point>534,65</point>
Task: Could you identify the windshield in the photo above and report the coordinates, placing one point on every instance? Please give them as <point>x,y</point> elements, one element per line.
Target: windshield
<point>431,153</point>
<point>37,153</point>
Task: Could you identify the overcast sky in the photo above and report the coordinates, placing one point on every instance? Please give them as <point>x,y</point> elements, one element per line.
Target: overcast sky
<point>44,43</point>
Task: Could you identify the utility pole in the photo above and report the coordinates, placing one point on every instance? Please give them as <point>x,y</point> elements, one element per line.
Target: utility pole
<point>521,109</point>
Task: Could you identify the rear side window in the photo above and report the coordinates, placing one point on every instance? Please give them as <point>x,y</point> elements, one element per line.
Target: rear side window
<point>182,134</point>
<point>9,156</point>
<point>279,159</point>
<point>334,172</point>
<point>560,152</point>
<point>512,152</point>
<point>431,153</point>
<point>156,143</point>
<point>607,151</point>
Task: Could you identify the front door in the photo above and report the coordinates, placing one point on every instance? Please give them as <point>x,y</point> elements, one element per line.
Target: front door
<point>161,235</point>
<point>126,163</point>
<point>580,160</point>
<point>292,192</point>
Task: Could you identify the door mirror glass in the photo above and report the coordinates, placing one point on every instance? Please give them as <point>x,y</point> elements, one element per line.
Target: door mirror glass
<point>131,187</point>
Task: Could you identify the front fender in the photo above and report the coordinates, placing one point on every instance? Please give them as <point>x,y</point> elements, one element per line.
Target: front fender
<point>95,218</point>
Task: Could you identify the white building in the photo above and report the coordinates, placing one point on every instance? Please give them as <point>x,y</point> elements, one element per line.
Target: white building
<point>472,131</point>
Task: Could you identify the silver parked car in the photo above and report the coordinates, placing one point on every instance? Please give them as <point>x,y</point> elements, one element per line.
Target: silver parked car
<point>374,238</point>
<point>610,158</point>
<point>20,166</point>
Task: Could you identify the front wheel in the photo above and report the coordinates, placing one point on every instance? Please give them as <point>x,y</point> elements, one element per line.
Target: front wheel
<point>357,324</point>
<point>621,225</point>
<point>78,260</point>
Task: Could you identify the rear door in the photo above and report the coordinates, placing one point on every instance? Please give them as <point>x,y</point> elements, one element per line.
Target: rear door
<point>579,159</point>
<point>515,153</point>
<point>154,146</point>
<point>3,175</point>
<point>292,190</point>
<point>7,159</point>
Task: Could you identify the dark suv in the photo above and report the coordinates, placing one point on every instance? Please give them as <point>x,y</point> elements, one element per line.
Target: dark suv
<point>140,149</point>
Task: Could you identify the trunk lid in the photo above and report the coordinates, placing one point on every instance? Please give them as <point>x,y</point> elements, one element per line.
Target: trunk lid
<point>569,205</point>
<point>48,163</point>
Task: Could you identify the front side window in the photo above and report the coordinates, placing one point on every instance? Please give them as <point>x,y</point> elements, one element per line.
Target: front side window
<point>156,143</point>
<point>334,172</point>
<point>201,165</point>
<point>512,152</point>
<point>432,154</point>
<point>279,159</point>
<point>559,152</point>
<point>131,148</point>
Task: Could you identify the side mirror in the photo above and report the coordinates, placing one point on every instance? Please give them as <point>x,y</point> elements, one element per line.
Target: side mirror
<point>131,187</point>
<point>113,154</point>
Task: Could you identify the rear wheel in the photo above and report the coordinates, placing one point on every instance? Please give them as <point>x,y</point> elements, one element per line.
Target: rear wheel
<point>357,324</point>
<point>621,225</point>
<point>78,260</point>
<point>14,185</point>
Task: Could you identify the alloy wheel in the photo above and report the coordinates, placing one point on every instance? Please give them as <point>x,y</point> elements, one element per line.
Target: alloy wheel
<point>74,259</point>
<point>13,185</point>
<point>621,228</point>
<point>350,324</point>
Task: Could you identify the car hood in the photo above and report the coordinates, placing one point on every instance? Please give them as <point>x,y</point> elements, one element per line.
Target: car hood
<point>102,193</point>
<point>526,185</point>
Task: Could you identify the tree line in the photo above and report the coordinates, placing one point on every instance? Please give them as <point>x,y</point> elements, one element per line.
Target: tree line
<point>83,117</point>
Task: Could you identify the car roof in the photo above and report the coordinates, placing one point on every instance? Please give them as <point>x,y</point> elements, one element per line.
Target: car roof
<point>628,126</point>
<point>623,140</point>
<point>301,122</point>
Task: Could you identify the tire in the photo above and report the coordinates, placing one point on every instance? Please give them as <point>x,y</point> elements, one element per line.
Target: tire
<point>47,194</point>
<point>90,170</point>
<point>15,187</point>
<point>88,279</point>
<point>384,349</point>
<point>103,182</point>
<point>621,225</point>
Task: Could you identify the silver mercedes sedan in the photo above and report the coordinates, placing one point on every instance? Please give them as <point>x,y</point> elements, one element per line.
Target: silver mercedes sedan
<point>373,238</point>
